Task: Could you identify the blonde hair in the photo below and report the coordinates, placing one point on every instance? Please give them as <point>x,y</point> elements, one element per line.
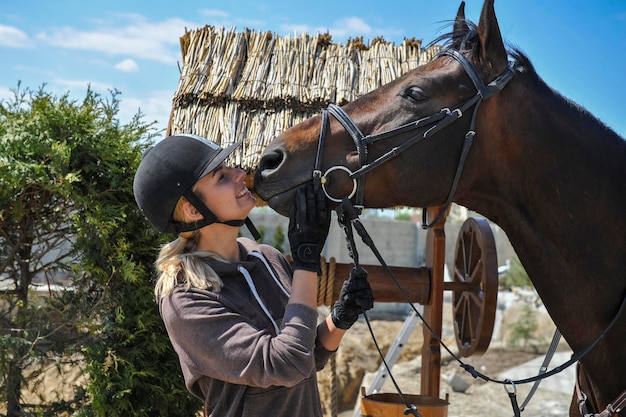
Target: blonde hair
<point>180,262</point>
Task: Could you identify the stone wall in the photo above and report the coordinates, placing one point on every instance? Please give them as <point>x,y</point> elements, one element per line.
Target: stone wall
<point>400,242</point>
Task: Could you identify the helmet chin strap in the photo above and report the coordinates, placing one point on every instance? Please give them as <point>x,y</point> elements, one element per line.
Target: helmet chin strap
<point>210,218</point>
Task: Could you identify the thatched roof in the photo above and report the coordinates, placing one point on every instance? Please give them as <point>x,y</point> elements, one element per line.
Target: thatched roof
<point>253,85</point>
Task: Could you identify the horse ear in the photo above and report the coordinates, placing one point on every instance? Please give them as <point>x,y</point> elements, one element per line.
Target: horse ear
<point>460,25</point>
<point>492,46</point>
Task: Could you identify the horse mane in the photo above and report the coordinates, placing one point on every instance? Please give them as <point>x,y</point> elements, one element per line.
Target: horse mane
<point>467,41</point>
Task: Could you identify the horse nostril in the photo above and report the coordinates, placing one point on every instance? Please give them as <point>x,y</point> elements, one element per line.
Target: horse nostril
<point>270,161</point>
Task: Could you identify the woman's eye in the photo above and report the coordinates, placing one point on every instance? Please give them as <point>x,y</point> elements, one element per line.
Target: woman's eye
<point>414,94</point>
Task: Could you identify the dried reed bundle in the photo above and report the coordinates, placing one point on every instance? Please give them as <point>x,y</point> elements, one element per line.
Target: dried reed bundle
<point>252,86</point>
<point>254,75</point>
<point>289,69</point>
<point>344,66</point>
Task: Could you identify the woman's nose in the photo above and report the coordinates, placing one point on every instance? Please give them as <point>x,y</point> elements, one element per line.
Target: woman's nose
<point>238,174</point>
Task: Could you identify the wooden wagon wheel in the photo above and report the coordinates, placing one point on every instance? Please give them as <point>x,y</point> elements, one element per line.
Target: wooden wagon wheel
<point>475,288</point>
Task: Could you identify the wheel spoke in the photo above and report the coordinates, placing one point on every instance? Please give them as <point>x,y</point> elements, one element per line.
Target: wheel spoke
<point>475,267</point>
<point>470,322</point>
<point>471,250</point>
<point>466,323</point>
<point>473,296</point>
<point>459,275</point>
<point>476,273</point>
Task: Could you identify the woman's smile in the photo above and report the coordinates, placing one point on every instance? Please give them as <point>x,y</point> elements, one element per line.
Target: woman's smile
<point>243,192</point>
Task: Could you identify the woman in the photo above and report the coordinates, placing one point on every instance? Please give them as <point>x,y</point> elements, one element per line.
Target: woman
<point>242,320</point>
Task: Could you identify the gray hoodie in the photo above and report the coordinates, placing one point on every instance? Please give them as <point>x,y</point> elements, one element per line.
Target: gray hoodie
<point>244,351</point>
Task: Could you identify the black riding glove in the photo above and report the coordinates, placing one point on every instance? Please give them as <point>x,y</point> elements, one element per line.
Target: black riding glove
<point>309,222</point>
<point>355,297</point>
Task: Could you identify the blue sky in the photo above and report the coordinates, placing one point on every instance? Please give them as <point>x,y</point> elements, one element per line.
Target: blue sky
<point>578,47</point>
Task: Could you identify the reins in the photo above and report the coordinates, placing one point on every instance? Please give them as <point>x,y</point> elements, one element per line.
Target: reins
<point>348,218</point>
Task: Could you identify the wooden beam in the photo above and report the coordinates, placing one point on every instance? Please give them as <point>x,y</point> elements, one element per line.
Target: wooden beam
<point>414,281</point>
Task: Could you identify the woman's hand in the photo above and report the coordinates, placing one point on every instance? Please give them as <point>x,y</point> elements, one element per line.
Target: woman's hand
<point>355,297</point>
<point>309,221</point>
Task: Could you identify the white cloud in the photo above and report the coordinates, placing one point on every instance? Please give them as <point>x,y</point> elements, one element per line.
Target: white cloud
<point>13,37</point>
<point>6,94</point>
<point>138,38</point>
<point>348,25</point>
<point>127,65</point>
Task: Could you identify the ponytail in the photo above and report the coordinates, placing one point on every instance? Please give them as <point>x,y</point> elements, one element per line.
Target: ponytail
<point>180,262</point>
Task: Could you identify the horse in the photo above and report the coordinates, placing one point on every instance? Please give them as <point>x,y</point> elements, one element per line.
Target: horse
<point>478,126</point>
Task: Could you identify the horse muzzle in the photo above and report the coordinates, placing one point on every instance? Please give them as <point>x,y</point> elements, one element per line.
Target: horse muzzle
<point>274,182</point>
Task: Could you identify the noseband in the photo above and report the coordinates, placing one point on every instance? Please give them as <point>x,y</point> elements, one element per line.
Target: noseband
<point>426,127</point>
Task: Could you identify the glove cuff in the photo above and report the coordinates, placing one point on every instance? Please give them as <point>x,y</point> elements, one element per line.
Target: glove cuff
<point>307,257</point>
<point>314,267</point>
<point>341,318</point>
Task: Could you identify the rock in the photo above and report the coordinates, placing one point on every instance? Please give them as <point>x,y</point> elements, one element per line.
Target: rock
<point>457,383</point>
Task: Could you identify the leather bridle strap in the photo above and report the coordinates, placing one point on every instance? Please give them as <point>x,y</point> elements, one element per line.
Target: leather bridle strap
<point>360,144</point>
<point>427,126</point>
<point>351,128</point>
<point>317,173</point>
<point>584,403</point>
<point>319,178</point>
<point>554,344</point>
<point>483,93</point>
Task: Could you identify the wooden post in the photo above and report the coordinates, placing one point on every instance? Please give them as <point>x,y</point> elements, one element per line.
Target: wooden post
<point>433,311</point>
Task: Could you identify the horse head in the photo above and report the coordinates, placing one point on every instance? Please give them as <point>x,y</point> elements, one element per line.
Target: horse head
<point>396,115</point>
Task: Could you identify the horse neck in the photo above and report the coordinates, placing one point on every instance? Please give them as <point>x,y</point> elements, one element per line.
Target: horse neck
<point>560,204</point>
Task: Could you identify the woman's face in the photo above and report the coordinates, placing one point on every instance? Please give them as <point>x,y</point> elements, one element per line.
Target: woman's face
<point>224,192</point>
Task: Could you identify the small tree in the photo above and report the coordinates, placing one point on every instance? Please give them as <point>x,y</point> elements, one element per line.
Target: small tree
<point>279,238</point>
<point>66,206</point>
<point>524,327</point>
<point>261,230</point>
<point>516,276</point>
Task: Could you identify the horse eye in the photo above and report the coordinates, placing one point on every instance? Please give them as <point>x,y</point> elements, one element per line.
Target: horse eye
<point>414,94</point>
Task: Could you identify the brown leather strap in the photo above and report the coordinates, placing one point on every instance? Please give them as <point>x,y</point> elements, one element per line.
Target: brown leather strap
<point>611,409</point>
<point>581,397</point>
<point>617,405</point>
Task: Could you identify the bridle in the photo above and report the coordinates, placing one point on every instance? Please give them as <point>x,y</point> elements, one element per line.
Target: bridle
<point>426,127</point>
